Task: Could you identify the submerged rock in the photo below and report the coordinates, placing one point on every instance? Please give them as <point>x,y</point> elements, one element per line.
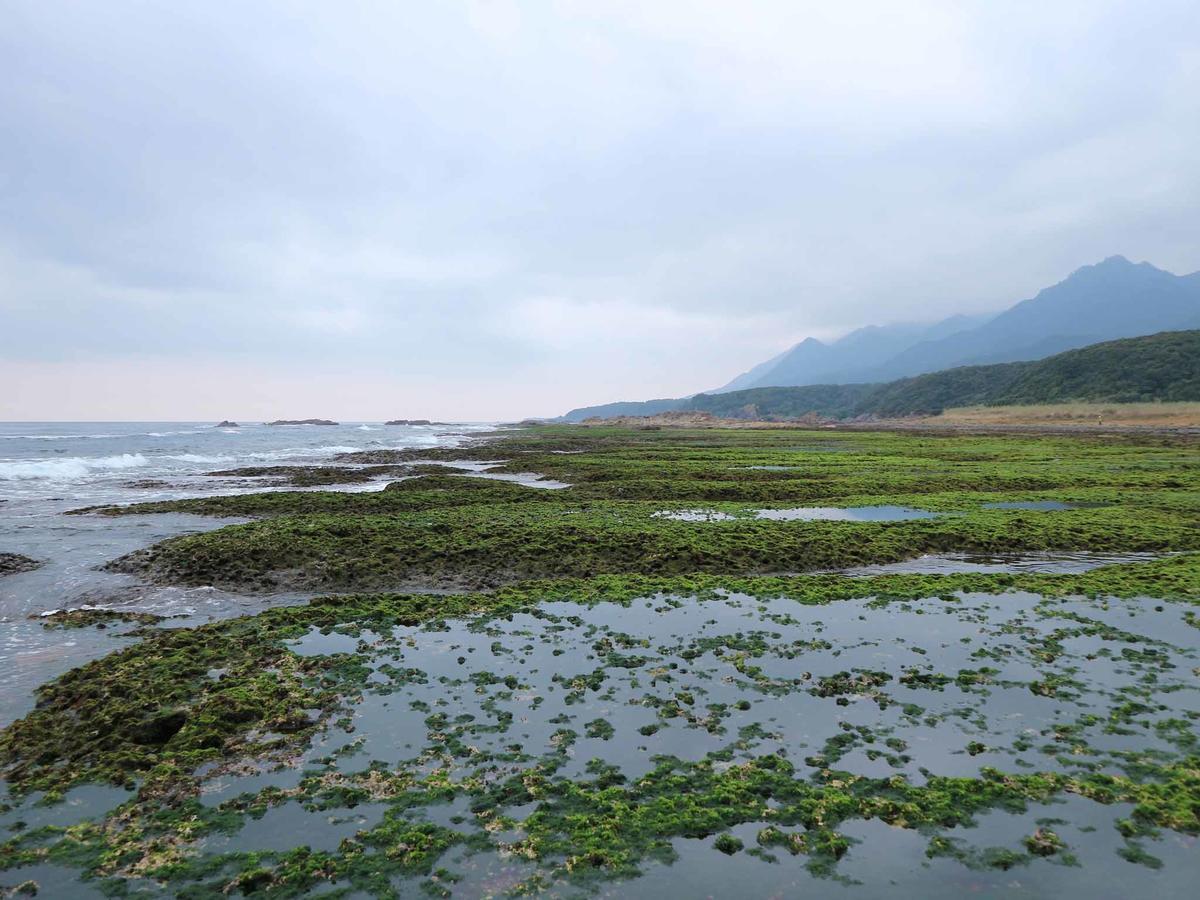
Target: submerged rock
<point>84,617</point>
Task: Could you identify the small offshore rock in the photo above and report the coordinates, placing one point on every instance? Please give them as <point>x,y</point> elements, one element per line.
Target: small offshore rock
<point>12,563</point>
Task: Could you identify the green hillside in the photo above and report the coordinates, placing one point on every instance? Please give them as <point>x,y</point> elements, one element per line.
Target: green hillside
<point>1163,366</point>
<point>837,400</point>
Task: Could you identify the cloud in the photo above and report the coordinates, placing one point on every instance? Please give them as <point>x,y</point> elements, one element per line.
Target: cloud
<point>565,199</point>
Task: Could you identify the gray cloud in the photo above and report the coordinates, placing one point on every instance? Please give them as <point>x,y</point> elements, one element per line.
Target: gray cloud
<point>526,205</point>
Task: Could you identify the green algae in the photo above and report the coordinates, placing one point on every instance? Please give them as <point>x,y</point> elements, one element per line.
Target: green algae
<point>485,546</point>
<point>183,696</point>
<point>162,715</point>
<point>432,490</point>
<point>95,617</point>
<point>462,532</point>
<point>607,824</point>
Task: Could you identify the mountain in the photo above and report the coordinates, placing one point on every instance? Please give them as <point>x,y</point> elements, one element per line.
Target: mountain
<point>622,408</point>
<point>1162,367</point>
<point>851,358</point>
<point>1111,299</point>
<point>750,378</point>
<point>833,401</point>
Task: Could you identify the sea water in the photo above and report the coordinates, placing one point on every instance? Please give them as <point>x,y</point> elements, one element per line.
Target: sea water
<point>49,468</point>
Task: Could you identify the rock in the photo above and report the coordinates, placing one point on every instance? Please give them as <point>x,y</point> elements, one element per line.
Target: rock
<point>302,422</point>
<point>101,618</point>
<point>226,424</point>
<point>159,727</point>
<point>308,476</point>
<point>409,422</point>
<point>11,563</point>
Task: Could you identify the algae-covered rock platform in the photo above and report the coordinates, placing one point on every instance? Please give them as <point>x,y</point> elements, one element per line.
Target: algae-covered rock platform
<point>641,685</point>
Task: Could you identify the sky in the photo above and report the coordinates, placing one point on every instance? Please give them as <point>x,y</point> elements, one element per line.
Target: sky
<point>492,210</point>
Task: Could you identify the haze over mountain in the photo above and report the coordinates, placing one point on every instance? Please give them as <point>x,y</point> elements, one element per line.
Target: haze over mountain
<point>1157,367</point>
<point>1112,299</point>
<point>848,359</point>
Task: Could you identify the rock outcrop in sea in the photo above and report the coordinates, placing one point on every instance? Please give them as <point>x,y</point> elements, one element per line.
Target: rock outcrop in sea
<point>12,563</point>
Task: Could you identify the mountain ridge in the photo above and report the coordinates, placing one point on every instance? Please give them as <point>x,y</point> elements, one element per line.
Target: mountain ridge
<point>1104,301</point>
<point>1158,367</point>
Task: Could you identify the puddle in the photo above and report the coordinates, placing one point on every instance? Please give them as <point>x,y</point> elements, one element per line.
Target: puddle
<point>482,469</point>
<point>694,515</point>
<point>939,686</point>
<point>846,514</point>
<point>806,514</point>
<point>318,643</point>
<point>1012,563</point>
<point>1043,505</point>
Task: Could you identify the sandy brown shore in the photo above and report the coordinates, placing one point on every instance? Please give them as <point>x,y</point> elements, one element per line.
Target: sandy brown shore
<point>1174,419</point>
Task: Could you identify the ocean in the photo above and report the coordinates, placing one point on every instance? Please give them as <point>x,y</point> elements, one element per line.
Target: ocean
<point>48,468</point>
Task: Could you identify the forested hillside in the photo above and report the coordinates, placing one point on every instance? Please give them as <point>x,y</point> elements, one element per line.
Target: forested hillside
<point>1162,366</point>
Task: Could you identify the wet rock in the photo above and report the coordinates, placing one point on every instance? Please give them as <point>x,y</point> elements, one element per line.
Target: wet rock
<point>101,618</point>
<point>156,730</point>
<point>225,423</point>
<point>308,476</point>
<point>12,563</point>
<point>1044,842</point>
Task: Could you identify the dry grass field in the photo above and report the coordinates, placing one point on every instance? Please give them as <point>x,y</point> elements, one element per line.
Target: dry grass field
<point>1167,415</point>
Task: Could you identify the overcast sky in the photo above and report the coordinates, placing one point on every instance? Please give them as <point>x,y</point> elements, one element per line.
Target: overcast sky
<point>497,209</point>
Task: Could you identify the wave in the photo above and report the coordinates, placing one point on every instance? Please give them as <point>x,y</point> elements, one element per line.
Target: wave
<point>318,451</point>
<point>68,468</point>
<point>285,453</point>
<point>84,437</point>
<point>57,437</point>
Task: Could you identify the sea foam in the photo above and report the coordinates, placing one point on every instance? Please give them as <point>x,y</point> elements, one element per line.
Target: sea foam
<point>68,468</point>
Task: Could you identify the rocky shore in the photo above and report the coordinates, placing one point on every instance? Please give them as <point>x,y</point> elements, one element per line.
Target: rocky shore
<point>579,685</point>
